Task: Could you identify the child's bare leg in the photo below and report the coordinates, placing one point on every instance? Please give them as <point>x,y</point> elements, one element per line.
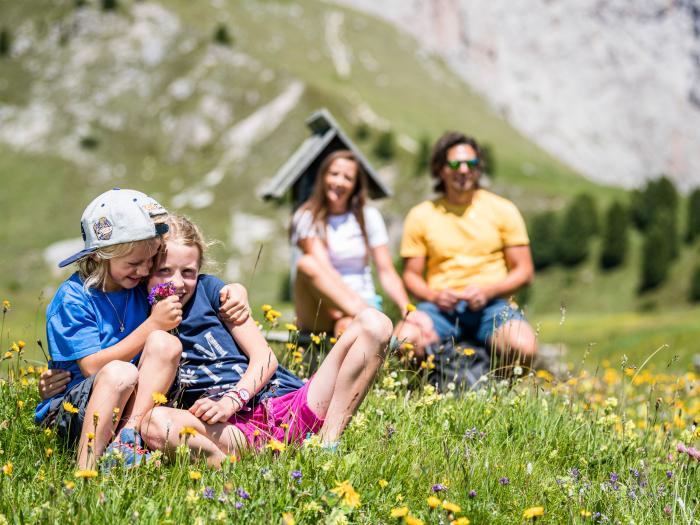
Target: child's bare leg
<point>113,385</point>
<point>344,377</point>
<point>213,441</point>
<point>157,369</point>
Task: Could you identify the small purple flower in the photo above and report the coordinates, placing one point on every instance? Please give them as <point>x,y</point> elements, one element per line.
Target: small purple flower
<point>296,474</point>
<point>614,477</point>
<point>238,505</point>
<point>161,291</point>
<point>208,493</point>
<point>667,510</point>
<point>504,481</point>
<point>669,474</point>
<point>634,472</point>
<point>438,487</point>
<point>575,473</point>
<point>242,493</point>
<point>472,493</point>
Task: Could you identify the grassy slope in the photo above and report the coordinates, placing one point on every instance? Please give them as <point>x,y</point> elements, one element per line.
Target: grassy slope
<point>419,97</point>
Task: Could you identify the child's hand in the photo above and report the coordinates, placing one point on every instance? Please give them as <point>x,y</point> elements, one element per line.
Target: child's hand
<point>53,382</point>
<point>211,411</point>
<point>234,304</point>
<point>167,313</point>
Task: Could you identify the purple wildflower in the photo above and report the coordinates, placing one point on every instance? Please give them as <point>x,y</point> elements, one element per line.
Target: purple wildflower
<point>472,493</point>
<point>242,493</point>
<point>238,505</point>
<point>504,481</point>
<point>296,474</point>
<point>634,472</point>
<point>161,291</point>
<point>669,474</point>
<point>438,487</point>
<point>208,493</point>
<point>667,510</point>
<point>575,473</point>
<point>614,477</point>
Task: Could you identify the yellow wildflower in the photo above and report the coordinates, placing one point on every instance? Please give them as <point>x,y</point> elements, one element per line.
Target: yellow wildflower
<point>195,475</point>
<point>291,346</point>
<point>21,344</point>
<point>232,458</point>
<point>68,484</point>
<point>433,502</point>
<point>7,468</point>
<point>410,307</point>
<point>20,404</point>
<point>399,512</point>
<point>68,407</point>
<point>188,431</point>
<point>291,327</point>
<point>460,521</point>
<point>383,483</point>
<point>6,306</point>
<point>316,339</point>
<point>345,490</point>
<point>276,446</point>
<point>85,474</point>
<point>49,452</point>
<point>585,513</point>
<point>48,432</point>
<point>469,352</point>
<point>407,346</point>
<point>412,520</point>
<point>14,347</point>
<point>90,436</point>
<point>95,418</point>
<point>533,512</point>
<point>288,519</point>
<point>158,398</point>
<point>7,355</point>
<point>333,340</point>
<point>272,315</point>
<point>451,507</point>
<point>266,308</point>
<point>297,356</point>
<point>30,369</point>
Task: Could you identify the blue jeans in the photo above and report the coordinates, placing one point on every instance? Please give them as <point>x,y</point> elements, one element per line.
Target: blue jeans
<point>462,324</point>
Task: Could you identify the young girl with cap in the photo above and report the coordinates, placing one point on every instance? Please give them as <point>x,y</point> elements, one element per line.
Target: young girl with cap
<point>98,324</point>
<point>237,394</point>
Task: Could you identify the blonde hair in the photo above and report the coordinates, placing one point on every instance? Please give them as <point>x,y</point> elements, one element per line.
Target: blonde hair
<point>183,231</point>
<point>94,268</point>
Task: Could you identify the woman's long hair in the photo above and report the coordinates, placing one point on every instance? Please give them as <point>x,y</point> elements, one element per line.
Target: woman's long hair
<point>317,203</point>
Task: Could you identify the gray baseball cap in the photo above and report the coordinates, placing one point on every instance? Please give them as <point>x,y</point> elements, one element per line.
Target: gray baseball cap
<point>115,217</point>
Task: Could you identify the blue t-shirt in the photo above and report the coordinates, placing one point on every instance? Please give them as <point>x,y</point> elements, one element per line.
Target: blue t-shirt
<point>80,323</point>
<point>211,361</point>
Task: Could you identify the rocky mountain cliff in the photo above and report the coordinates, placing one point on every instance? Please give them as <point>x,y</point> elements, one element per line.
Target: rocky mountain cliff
<point>610,86</point>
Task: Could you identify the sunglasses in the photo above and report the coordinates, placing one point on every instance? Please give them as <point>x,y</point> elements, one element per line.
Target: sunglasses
<point>455,164</point>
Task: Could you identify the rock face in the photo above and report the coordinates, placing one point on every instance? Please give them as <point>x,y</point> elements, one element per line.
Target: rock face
<point>611,87</point>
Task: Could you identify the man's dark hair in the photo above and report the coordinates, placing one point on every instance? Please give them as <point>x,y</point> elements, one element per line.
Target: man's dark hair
<point>439,155</point>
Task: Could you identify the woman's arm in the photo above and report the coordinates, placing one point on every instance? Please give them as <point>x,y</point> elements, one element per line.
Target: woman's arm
<point>390,280</point>
<point>165,315</point>
<point>261,367</point>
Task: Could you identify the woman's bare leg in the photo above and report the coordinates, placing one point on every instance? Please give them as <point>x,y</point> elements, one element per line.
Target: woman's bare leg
<point>344,377</point>
<point>515,341</point>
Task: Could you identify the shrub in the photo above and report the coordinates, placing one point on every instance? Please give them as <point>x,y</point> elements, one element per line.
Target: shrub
<point>543,239</point>
<point>694,294</point>
<point>656,259</point>
<point>693,226</point>
<point>615,237</point>
<point>109,5</point>
<point>422,156</point>
<point>385,148</point>
<point>586,207</point>
<point>362,131</point>
<point>572,243</point>
<point>222,35</point>
<point>5,44</point>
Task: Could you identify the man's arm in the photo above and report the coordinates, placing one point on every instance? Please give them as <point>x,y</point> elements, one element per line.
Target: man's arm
<point>415,282</point>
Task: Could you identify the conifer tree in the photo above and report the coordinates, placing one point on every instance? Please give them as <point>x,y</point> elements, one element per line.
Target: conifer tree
<point>385,148</point>
<point>543,239</point>
<point>4,41</point>
<point>693,226</point>
<point>615,237</point>
<point>656,258</point>
<point>572,239</point>
<point>586,207</point>
<point>422,156</point>
<point>694,294</point>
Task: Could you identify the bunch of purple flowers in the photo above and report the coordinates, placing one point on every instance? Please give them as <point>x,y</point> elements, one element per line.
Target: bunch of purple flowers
<point>161,291</point>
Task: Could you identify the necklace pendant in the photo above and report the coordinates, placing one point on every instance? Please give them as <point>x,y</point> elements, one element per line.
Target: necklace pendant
<point>121,327</point>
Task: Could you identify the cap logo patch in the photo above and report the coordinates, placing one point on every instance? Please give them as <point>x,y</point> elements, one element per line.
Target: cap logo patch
<point>150,207</point>
<point>102,228</point>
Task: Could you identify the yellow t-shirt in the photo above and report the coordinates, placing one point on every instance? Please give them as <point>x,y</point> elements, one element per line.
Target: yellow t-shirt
<point>463,244</point>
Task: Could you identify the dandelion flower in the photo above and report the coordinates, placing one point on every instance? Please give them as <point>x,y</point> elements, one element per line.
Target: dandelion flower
<point>288,519</point>
<point>291,327</point>
<point>266,308</point>
<point>533,512</point>
<point>188,431</point>
<point>383,483</point>
<point>469,352</point>
<point>20,404</point>
<point>49,452</point>
<point>6,306</point>
<point>433,502</point>
<point>410,307</point>
<point>316,339</point>
<point>90,436</point>
<point>460,521</point>
<point>21,344</point>
<point>14,347</point>
<point>85,474</point>
<point>158,398</point>
<point>7,355</point>
<point>585,513</point>
<point>346,491</point>
<point>451,507</point>
<point>412,520</point>
<point>68,484</point>
<point>95,418</point>
<point>68,407</point>
<point>195,475</point>
<point>7,468</point>
<point>332,340</point>
<point>399,512</point>
<point>276,446</point>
